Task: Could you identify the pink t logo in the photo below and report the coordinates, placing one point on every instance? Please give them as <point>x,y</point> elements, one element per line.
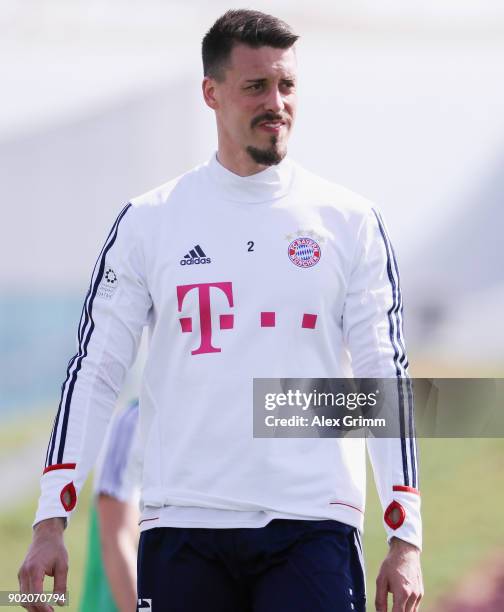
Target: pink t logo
<point>226,320</point>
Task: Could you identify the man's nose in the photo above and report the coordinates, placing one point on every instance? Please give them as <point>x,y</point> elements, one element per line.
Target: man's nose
<point>275,102</point>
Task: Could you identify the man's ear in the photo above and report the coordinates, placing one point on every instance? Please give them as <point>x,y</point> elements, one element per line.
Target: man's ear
<point>209,90</point>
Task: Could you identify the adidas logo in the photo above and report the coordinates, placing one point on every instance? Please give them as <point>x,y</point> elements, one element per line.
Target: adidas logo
<point>195,256</point>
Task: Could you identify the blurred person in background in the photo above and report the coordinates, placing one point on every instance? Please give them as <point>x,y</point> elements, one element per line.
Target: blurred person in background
<point>246,266</point>
<point>110,575</point>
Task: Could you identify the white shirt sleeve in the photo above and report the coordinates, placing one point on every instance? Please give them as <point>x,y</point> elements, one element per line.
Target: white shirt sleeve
<point>115,311</point>
<point>372,325</point>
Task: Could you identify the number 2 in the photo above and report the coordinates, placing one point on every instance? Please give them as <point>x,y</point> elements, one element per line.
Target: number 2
<point>250,246</point>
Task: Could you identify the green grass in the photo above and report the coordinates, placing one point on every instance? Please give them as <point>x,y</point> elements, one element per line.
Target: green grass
<point>16,432</point>
<point>462,501</point>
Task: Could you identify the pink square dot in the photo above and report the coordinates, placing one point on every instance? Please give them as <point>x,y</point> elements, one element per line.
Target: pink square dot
<point>226,321</point>
<point>267,319</point>
<point>309,321</point>
<point>186,324</point>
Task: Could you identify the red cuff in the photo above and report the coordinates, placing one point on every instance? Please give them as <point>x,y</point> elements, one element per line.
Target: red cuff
<point>59,466</point>
<point>406,489</point>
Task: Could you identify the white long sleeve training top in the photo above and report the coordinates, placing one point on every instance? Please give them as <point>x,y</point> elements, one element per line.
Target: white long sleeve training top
<point>276,275</point>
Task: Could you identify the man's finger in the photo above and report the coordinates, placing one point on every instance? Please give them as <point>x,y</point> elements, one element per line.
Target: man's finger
<point>60,578</point>
<point>413,601</point>
<point>409,602</point>
<point>40,607</point>
<point>416,606</point>
<point>399,602</point>
<point>35,584</point>
<point>23,582</point>
<point>381,594</point>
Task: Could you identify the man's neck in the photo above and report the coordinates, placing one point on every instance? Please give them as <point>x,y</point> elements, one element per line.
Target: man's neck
<point>239,163</point>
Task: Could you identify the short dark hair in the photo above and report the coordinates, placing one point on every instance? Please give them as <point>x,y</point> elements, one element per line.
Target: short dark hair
<point>248,27</point>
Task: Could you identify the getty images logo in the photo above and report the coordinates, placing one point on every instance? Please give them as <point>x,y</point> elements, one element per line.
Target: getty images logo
<point>195,256</point>
<point>145,605</point>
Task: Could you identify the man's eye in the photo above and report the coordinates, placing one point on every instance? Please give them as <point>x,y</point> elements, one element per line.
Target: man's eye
<point>255,86</point>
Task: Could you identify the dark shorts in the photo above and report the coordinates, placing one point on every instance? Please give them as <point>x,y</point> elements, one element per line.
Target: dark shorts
<point>286,566</point>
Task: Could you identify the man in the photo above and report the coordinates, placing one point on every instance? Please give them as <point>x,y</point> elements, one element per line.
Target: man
<point>245,267</point>
<point>110,579</point>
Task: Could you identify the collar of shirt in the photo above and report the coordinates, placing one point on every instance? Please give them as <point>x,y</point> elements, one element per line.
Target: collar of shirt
<point>269,184</point>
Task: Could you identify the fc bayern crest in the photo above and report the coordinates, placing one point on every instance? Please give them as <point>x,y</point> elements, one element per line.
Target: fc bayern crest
<point>304,252</point>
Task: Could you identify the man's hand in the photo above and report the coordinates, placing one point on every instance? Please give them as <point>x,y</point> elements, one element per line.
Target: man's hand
<point>401,575</point>
<point>47,555</point>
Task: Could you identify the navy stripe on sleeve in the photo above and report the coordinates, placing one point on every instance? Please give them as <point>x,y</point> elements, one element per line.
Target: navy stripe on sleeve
<point>86,327</point>
<point>404,362</point>
<point>400,360</point>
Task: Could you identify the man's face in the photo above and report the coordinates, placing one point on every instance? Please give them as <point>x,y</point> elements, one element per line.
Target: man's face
<point>255,104</point>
